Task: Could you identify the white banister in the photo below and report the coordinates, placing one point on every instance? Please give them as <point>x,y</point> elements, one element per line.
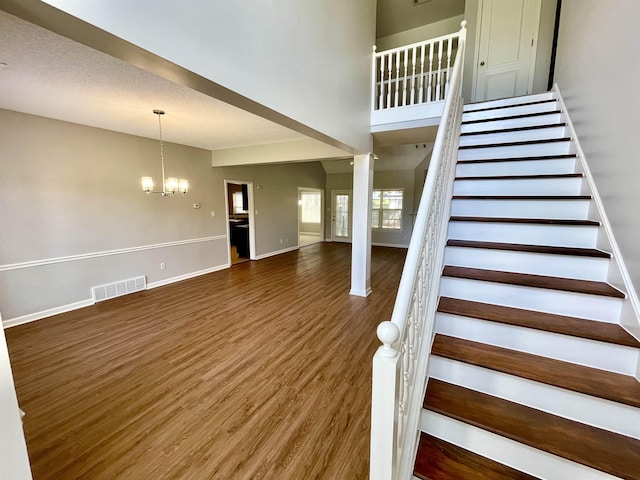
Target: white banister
<point>400,364</point>
<point>398,84</point>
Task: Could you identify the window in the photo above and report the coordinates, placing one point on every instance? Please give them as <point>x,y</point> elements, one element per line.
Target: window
<point>238,200</point>
<point>310,207</point>
<point>386,209</point>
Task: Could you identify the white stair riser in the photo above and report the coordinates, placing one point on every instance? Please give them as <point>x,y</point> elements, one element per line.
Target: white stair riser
<point>511,101</point>
<point>517,136</point>
<point>517,167</point>
<point>526,186</point>
<point>517,455</point>
<point>555,209</point>
<point>510,111</point>
<point>593,307</point>
<point>547,119</point>
<point>516,151</point>
<point>582,268</point>
<point>559,235</point>
<point>597,412</point>
<point>601,355</point>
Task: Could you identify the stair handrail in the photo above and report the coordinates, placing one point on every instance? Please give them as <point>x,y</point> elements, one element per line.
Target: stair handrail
<point>413,74</point>
<point>400,364</point>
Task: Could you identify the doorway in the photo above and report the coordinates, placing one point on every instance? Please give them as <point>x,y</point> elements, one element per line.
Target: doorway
<point>240,221</point>
<point>341,215</point>
<point>310,218</point>
<point>506,55</point>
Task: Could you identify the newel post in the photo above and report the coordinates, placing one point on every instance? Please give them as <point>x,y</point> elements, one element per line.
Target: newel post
<point>384,405</point>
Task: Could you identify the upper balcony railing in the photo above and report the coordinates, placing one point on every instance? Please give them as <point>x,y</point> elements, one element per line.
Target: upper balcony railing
<point>411,82</point>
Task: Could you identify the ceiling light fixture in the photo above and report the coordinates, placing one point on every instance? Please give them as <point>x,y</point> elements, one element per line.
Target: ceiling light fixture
<point>171,185</point>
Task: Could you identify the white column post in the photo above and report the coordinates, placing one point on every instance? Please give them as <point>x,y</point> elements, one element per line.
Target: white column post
<point>361,228</point>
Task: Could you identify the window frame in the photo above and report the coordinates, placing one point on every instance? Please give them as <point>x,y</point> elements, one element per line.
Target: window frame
<point>381,209</point>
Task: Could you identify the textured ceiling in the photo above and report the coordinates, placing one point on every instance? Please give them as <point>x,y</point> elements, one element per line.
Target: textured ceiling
<point>395,16</point>
<point>51,76</point>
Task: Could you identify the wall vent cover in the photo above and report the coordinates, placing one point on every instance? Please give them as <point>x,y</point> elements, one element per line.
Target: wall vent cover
<point>117,289</point>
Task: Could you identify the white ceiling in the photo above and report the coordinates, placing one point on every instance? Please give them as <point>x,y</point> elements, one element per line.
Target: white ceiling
<point>51,76</point>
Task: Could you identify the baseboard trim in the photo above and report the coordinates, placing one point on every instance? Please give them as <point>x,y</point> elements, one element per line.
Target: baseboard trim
<point>392,245</point>
<point>360,293</point>
<point>187,276</point>
<point>277,252</point>
<point>32,317</point>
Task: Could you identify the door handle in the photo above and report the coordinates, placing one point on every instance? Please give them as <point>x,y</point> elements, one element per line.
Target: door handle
<point>482,63</point>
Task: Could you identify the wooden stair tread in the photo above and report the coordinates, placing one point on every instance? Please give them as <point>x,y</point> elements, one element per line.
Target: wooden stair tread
<point>514,129</point>
<point>511,117</point>
<point>521,197</point>
<point>563,156</point>
<point>606,451</point>
<point>523,177</point>
<point>539,281</point>
<point>540,221</point>
<point>516,144</point>
<point>440,460</point>
<point>500,107</point>
<point>519,247</point>
<point>577,378</point>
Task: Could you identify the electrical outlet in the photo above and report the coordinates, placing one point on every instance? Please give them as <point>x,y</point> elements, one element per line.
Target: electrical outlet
<point>280,240</point>
<point>163,266</point>
<point>213,213</point>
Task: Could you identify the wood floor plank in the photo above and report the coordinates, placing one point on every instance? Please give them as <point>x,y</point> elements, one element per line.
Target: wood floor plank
<point>548,322</point>
<point>599,383</point>
<point>259,371</point>
<point>609,452</point>
<point>440,460</point>
<point>539,281</point>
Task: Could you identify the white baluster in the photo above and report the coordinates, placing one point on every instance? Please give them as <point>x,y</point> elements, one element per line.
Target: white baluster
<point>381,99</point>
<point>421,93</point>
<point>404,86</point>
<point>413,77</point>
<point>430,72</point>
<point>449,49</point>
<point>395,102</point>
<point>374,86</point>
<point>389,65</point>
<point>438,91</point>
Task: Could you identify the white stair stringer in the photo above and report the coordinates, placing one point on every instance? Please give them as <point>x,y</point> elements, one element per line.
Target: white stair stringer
<point>514,136</point>
<point>577,209</point>
<point>580,305</point>
<point>551,265</point>
<point>597,412</point>
<point>553,166</point>
<point>510,101</point>
<point>581,351</point>
<point>523,121</point>
<point>508,452</point>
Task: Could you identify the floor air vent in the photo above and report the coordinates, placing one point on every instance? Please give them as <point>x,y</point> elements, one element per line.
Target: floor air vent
<point>117,289</point>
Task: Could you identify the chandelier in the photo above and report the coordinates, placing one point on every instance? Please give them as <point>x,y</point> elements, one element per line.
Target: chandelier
<point>170,185</point>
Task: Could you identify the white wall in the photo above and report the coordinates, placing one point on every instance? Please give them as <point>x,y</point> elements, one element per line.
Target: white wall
<point>14,461</point>
<point>598,75</point>
<point>310,61</point>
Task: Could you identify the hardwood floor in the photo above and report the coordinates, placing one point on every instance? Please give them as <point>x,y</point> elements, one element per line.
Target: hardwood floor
<point>261,371</point>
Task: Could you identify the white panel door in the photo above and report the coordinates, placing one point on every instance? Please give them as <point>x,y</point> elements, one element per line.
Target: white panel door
<point>341,215</point>
<point>507,48</point>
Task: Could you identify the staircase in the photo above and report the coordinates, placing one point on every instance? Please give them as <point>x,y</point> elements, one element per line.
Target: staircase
<point>530,374</point>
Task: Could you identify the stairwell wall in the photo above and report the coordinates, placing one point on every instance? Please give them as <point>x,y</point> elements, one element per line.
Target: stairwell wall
<point>598,78</point>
